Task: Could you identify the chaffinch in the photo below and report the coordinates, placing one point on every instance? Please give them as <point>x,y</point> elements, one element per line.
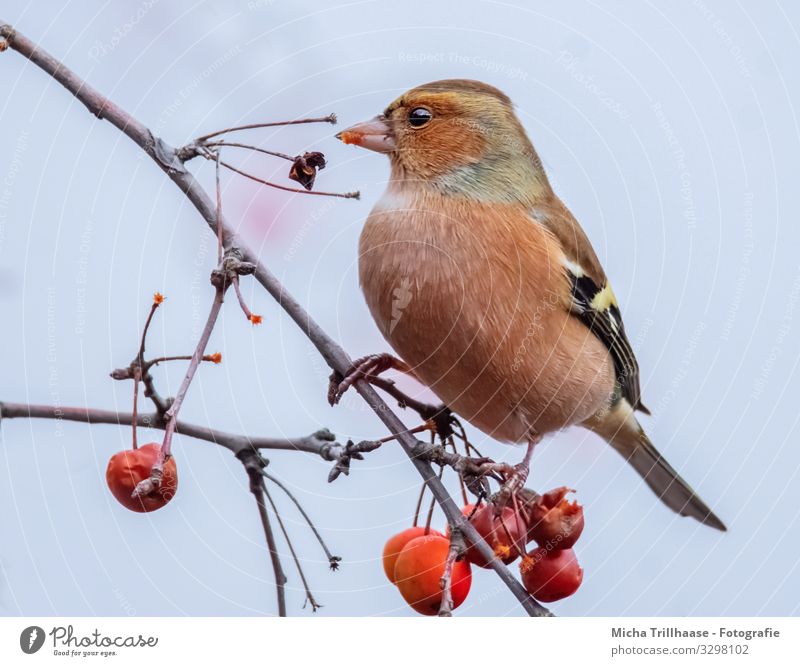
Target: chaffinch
<point>486,286</point>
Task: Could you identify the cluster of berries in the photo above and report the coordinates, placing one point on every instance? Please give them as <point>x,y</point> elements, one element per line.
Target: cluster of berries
<point>415,559</point>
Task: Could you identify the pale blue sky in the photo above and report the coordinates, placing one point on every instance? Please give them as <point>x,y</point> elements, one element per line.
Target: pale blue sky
<point>670,129</point>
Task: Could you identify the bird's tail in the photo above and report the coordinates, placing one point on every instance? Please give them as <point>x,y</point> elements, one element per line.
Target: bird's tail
<point>619,427</point>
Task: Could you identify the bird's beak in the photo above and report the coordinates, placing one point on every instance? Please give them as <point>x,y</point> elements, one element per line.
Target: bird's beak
<point>373,134</point>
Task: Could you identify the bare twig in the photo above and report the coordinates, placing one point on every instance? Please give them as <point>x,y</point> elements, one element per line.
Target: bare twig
<point>252,318</point>
<point>138,364</point>
<point>333,560</point>
<point>152,483</point>
<point>440,415</point>
<point>194,363</point>
<point>351,451</point>
<point>211,358</point>
<point>461,433</point>
<point>411,431</point>
<point>280,576</point>
<point>321,443</point>
<point>418,506</point>
<point>219,207</point>
<point>255,149</point>
<point>161,404</point>
<point>286,188</point>
<point>168,160</point>
<point>158,299</point>
<point>451,442</point>
<point>309,595</point>
<point>471,469</point>
<point>330,118</point>
<point>457,549</point>
<point>432,505</point>
<point>137,377</point>
<point>254,465</point>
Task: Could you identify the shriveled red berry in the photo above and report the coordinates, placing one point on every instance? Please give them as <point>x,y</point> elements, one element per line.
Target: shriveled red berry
<point>554,521</point>
<point>505,533</point>
<point>127,468</point>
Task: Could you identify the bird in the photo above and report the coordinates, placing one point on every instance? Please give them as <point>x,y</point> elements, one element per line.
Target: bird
<point>488,289</point>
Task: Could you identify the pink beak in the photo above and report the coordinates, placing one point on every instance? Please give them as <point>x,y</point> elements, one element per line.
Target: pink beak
<point>373,134</point>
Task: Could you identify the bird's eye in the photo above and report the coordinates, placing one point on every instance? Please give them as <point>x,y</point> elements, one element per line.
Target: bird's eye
<point>419,117</point>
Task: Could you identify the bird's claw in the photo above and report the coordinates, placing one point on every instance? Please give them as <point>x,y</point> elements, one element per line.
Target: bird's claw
<point>513,484</point>
<point>365,368</point>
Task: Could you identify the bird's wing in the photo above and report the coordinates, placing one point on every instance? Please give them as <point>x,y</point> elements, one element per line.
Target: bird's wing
<point>593,300</point>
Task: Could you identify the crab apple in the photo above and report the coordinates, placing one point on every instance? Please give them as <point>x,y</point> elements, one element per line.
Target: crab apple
<point>505,533</point>
<point>550,575</point>
<point>396,543</point>
<point>127,468</point>
<point>554,520</point>
<point>418,574</point>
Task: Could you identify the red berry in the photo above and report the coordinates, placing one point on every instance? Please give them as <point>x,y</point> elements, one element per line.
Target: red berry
<point>550,575</point>
<point>127,468</point>
<point>418,572</point>
<point>554,521</point>
<point>505,533</point>
<point>395,544</point>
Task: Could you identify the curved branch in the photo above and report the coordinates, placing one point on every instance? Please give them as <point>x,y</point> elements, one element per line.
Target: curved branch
<point>167,159</point>
<point>286,188</point>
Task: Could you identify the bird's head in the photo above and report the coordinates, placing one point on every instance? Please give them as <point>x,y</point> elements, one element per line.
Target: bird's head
<point>457,136</point>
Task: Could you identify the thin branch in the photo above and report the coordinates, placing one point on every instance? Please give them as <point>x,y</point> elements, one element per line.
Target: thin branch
<point>330,118</point>
<point>137,376</point>
<point>309,594</point>
<point>321,443</point>
<point>440,414</point>
<point>197,357</point>
<point>432,505</point>
<point>273,153</point>
<point>151,484</point>
<point>167,159</point>
<point>285,188</point>
<point>138,364</point>
<point>254,465</point>
<point>352,451</point>
<point>280,576</point>
<point>470,448</point>
<point>333,560</point>
<point>211,358</point>
<point>252,318</point>
<point>418,506</point>
<point>219,207</point>
<point>158,299</point>
<point>457,549</point>
<point>451,441</point>
<point>424,409</point>
<point>150,391</point>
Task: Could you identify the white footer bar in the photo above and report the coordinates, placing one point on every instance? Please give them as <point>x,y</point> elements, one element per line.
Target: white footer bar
<point>384,641</point>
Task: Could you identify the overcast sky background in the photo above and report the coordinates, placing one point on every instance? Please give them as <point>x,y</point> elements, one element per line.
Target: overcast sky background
<point>670,129</point>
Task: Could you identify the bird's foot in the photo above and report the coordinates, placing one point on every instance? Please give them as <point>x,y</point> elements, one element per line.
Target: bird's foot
<point>367,368</point>
<point>515,477</point>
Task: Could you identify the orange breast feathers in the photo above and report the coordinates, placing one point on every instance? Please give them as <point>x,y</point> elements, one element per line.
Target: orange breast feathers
<point>467,295</point>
